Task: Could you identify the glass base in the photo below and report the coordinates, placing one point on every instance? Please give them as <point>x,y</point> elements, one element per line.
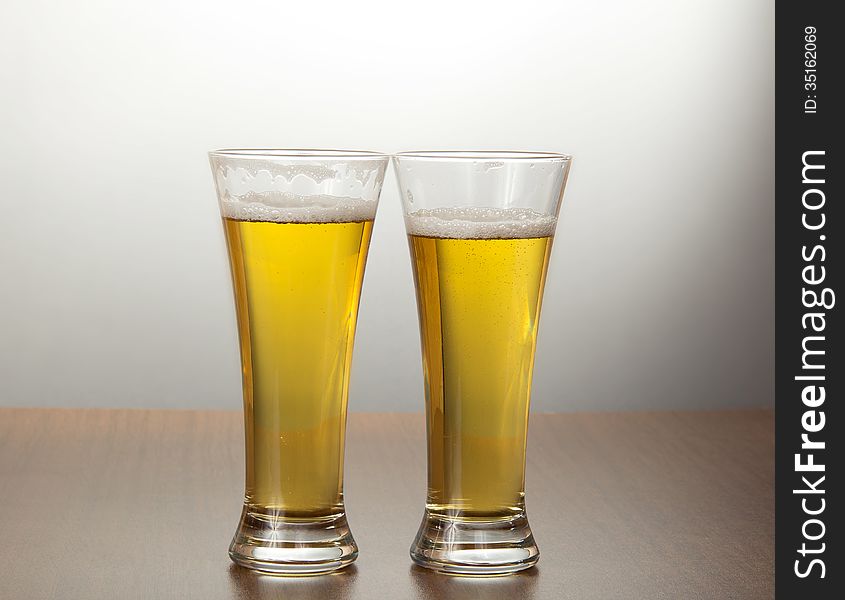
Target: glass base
<point>277,545</point>
<point>464,546</point>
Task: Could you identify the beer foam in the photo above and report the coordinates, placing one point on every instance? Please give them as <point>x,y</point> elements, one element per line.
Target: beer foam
<point>280,207</point>
<point>480,223</point>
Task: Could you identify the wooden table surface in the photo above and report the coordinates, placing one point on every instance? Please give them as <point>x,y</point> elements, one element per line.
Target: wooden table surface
<point>124,504</point>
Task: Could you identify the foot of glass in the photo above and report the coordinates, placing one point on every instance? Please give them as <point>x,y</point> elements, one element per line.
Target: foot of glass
<point>464,546</point>
<point>278,545</point>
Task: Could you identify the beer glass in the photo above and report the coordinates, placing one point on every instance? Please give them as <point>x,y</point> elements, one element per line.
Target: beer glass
<point>297,226</point>
<point>480,228</point>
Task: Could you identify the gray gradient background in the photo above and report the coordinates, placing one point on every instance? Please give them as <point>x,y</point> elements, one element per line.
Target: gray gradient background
<point>115,288</point>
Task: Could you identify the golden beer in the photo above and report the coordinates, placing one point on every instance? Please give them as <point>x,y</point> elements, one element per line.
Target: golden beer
<point>479,305</point>
<point>297,224</point>
<point>480,226</point>
<point>297,287</point>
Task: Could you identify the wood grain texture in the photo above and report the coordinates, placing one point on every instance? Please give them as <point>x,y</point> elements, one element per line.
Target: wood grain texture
<point>142,504</point>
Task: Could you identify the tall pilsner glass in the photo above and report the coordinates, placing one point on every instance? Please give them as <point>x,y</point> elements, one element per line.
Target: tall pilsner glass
<point>480,228</point>
<point>297,225</point>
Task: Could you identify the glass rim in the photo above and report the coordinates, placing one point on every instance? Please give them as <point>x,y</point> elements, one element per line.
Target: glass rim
<point>489,155</point>
<point>297,153</point>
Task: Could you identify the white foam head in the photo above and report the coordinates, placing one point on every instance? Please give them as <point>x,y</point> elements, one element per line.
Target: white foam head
<point>311,190</point>
<point>281,207</point>
<point>480,223</point>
